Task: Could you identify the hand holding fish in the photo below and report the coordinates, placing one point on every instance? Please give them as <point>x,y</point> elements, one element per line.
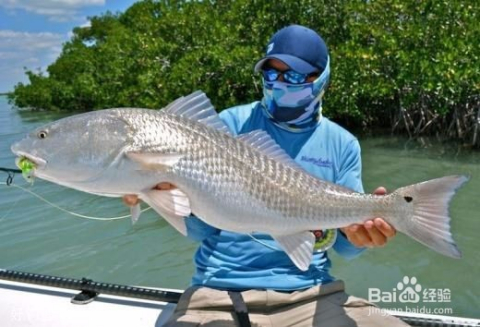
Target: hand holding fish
<point>132,199</point>
<point>372,233</point>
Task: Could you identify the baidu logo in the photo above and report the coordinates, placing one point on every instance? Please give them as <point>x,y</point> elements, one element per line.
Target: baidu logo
<point>408,290</point>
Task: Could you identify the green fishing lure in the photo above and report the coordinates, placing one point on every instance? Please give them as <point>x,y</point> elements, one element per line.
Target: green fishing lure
<point>27,167</point>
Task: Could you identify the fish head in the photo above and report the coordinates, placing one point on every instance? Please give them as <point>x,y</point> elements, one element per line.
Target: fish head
<point>73,149</point>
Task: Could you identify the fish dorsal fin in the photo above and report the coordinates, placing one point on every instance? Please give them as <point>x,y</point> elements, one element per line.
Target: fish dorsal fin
<point>197,107</point>
<point>264,143</point>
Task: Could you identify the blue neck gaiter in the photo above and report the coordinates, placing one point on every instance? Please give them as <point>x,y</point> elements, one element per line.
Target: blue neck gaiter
<point>295,105</point>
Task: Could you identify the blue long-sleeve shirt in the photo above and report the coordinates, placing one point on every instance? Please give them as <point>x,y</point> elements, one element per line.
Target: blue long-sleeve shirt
<point>227,260</point>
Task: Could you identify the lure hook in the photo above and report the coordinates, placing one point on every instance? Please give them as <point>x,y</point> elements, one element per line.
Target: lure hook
<point>11,174</point>
<point>10,178</point>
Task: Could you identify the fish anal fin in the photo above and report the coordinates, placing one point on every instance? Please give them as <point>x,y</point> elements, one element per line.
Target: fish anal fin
<point>299,247</point>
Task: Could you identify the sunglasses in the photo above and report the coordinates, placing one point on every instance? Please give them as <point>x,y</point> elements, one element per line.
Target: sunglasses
<point>289,76</point>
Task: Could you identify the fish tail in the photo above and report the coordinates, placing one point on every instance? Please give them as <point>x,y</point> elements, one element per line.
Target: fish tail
<point>430,222</point>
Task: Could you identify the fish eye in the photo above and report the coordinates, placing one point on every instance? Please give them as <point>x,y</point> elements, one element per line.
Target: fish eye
<point>42,134</point>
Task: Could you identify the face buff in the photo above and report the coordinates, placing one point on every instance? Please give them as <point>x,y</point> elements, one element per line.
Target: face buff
<point>295,106</point>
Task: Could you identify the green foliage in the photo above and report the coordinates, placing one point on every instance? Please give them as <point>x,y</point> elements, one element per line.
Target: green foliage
<point>410,54</point>
<point>388,57</point>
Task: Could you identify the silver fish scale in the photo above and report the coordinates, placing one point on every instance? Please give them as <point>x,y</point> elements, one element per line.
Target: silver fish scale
<point>245,179</point>
<point>155,132</point>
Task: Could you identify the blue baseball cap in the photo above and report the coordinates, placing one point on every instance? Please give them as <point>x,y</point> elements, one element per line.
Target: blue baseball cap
<point>299,47</point>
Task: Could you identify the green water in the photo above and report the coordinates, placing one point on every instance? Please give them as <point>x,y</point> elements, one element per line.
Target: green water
<point>37,238</point>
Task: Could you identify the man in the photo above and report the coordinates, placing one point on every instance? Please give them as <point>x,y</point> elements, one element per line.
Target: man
<point>234,272</point>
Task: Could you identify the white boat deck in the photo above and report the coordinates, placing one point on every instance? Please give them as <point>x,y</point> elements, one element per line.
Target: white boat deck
<point>24,305</point>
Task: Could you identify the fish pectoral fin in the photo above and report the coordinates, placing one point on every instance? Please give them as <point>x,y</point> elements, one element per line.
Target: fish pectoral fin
<point>135,212</point>
<point>173,205</point>
<point>299,247</point>
<point>155,161</point>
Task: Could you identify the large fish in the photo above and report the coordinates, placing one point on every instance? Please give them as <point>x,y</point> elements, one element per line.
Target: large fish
<point>243,184</point>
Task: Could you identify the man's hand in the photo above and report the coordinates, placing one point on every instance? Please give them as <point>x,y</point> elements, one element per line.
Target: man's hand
<point>132,199</point>
<point>372,233</point>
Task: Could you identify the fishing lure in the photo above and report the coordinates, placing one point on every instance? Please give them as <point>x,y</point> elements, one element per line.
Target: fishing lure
<point>27,167</point>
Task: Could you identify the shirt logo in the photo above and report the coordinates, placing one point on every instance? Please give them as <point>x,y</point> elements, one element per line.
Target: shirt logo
<point>320,162</point>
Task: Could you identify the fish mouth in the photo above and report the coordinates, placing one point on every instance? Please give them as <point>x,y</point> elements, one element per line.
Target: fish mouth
<point>29,162</point>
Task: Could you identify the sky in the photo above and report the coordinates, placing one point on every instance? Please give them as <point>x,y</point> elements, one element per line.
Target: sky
<point>32,32</point>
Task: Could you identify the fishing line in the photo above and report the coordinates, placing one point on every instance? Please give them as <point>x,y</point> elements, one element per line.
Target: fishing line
<point>263,243</point>
<point>67,211</point>
<point>11,207</point>
<point>11,175</point>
